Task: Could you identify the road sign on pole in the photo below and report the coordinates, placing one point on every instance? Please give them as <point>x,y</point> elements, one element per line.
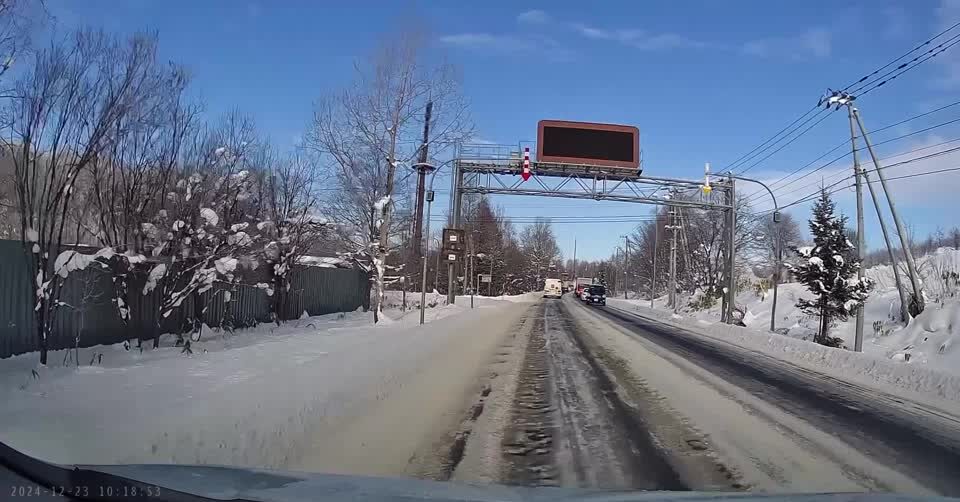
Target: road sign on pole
<point>485,277</point>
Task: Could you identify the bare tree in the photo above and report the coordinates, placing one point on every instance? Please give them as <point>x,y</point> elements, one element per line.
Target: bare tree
<point>701,262</point>
<point>294,225</point>
<point>17,18</point>
<point>204,226</point>
<point>65,111</point>
<point>773,237</point>
<point>539,245</point>
<point>381,116</point>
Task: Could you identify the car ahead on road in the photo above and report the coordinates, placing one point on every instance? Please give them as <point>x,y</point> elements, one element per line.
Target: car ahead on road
<point>596,295</point>
<point>552,288</point>
<point>584,292</point>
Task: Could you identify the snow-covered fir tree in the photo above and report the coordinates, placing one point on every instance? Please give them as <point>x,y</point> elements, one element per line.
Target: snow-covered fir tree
<point>829,269</point>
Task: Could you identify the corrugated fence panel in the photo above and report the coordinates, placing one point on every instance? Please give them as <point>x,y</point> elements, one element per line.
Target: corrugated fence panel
<point>93,317</point>
<point>16,301</point>
<point>326,290</point>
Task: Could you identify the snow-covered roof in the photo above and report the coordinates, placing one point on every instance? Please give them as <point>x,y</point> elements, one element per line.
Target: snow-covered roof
<point>324,261</point>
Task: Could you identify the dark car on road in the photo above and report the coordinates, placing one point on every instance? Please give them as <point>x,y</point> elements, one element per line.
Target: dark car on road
<point>596,295</point>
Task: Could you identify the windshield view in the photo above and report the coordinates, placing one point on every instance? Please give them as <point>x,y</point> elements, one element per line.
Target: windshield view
<point>339,248</point>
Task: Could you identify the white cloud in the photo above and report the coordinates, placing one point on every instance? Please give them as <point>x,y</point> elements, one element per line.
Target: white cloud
<point>485,41</point>
<point>639,39</point>
<point>947,14</point>
<point>512,44</point>
<point>815,43</point>
<point>928,191</point>
<point>894,21</point>
<point>533,16</point>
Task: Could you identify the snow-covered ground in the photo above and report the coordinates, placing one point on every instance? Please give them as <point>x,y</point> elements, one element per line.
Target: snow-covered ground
<point>918,358</point>
<point>259,397</point>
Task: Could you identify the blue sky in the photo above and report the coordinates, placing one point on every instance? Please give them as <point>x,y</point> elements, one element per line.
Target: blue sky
<point>703,80</point>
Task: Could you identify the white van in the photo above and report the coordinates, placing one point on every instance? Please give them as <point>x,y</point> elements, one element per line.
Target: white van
<point>552,288</point>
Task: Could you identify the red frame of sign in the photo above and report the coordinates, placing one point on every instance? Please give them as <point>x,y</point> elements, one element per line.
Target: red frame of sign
<point>595,126</point>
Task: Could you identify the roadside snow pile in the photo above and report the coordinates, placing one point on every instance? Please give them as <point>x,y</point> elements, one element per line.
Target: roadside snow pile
<point>870,369</point>
<point>437,307</point>
<point>929,338</point>
<point>253,398</point>
<point>393,299</point>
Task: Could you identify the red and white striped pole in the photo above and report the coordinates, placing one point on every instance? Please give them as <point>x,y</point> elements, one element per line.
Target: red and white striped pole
<point>526,163</point>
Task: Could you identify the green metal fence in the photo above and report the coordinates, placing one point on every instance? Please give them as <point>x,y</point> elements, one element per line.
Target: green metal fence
<point>90,315</point>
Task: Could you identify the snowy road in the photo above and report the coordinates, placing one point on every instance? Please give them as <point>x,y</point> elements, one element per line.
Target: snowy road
<point>918,441</point>
<point>876,441</point>
<point>600,397</point>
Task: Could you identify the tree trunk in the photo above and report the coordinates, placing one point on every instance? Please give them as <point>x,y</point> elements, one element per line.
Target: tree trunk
<point>824,324</point>
<point>42,334</point>
<point>384,240</point>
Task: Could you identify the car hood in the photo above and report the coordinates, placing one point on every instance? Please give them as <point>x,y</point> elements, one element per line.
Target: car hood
<point>276,486</point>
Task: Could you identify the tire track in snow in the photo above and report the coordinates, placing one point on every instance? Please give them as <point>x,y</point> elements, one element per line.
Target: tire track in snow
<point>924,448</point>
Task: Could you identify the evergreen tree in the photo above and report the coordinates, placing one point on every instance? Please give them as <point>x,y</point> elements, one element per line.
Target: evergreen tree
<point>828,269</point>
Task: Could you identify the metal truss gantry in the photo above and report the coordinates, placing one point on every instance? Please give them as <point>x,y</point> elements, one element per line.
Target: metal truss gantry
<point>497,169</point>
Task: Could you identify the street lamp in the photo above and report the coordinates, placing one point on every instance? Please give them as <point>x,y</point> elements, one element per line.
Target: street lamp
<point>778,251</point>
<point>429,196</point>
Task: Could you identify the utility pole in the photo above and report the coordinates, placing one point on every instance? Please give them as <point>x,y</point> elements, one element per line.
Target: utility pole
<point>858,338</point>
<point>456,200</point>
<point>422,168</point>
<point>626,261</point>
<point>653,278</point>
<point>904,242</point>
<point>490,284</point>
<point>436,271</point>
<point>731,254</point>
<point>574,259</point>
<point>469,276</point>
<point>673,259</point>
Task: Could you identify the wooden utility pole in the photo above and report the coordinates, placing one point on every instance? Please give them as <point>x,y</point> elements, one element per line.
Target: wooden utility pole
<point>673,259</point>
<point>858,337</point>
<point>905,243</point>
<point>457,201</point>
<point>653,277</point>
<point>731,292</point>
<point>421,186</point>
<point>574,259</point>
<point>626,261</point>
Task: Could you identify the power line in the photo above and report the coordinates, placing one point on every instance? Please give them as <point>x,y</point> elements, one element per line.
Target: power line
<point>846,143</point>
<point>742,158</point>
<point>787,143</point>
<point>834,175</point>
<point>903,68</point>
<point>876,144</point>
<point>893,178</point>
<point>918,47</point>
<point>864,82</point>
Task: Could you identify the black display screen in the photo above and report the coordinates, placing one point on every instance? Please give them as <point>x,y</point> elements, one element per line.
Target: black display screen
<point>587,144</point>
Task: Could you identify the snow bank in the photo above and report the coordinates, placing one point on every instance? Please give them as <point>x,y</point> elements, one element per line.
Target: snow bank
<point>869,369</point>
<point>929,338</point>
<point>254,398</point>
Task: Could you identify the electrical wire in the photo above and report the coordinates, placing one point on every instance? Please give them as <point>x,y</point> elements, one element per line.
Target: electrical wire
<point>829,189</point>
<point>787,143</point>
<point>911,51</point>
<point>847,142</point>
<point>834,175</point>
<point>864,82</point>
<point>743,158</point>
<point>905,67</point>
